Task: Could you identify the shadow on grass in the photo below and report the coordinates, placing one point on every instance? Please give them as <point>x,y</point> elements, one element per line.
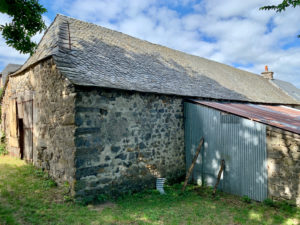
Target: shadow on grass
<point>28,196</point>
<point>197,205</point>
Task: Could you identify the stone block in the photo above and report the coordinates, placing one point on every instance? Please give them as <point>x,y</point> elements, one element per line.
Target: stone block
<point>121,156</point>
<point>115,149</point>
<point>273,169</point>
<point>82,131</point>
<point>89,171</point>
<point>93,151</point>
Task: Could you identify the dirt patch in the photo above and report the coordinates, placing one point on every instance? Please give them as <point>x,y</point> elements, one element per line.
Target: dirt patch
<point>101,207</point>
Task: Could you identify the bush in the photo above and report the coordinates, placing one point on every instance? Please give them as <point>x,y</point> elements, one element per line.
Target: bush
<point>2,138</point>
<point>102,198</point>
<point>49,183</point>
<point>269,202</point>
<point>246,199</point>
<point>40,173</point>
<point>3,150</point>
<point>176,177</point>
<point>287,206</point>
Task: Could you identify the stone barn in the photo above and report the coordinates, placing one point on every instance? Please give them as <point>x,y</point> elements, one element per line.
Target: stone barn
<point>104,111</point>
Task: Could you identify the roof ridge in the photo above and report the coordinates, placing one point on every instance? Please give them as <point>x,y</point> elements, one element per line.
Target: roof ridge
<point>91,55</point>
<point>282,89</point>
<point>158,45</point>
<point>61,46</point>
<point>24,66</point>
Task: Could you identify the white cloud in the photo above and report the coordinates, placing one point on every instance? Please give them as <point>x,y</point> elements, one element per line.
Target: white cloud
<point>9,54</point>
<point>4,18</point>
<point>243,36</point>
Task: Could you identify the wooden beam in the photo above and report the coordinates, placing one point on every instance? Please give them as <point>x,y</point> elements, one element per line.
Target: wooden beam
<point>219,176</point>
<point>193,164</point>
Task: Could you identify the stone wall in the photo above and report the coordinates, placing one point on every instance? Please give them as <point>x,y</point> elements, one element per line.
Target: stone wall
<point>126,139</point>
<point>283,149</point>
<point>18,87</point>
<point>52,98</point>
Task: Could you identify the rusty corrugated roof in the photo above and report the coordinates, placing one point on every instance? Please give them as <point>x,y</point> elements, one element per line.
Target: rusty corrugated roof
<point>278,116</point>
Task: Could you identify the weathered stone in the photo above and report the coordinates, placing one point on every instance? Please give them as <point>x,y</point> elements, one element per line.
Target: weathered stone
<point>133,155</point>
<point>68,119</point>
<point>80,131</point>
<point>105,180</point>
<point>115,149</point>
<point>91,151</point>
<point>142,145</point>
<point>121,156</point>
<point>127,128</point>
<point>147,136</point>
<point>52,98</point>
<point>89,171</point>
<point>283,165</point>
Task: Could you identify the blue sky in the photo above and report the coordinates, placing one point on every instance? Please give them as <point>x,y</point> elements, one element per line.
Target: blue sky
<point>233,32</point>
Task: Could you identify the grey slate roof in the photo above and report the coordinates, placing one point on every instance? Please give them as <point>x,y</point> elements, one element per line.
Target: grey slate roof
<point>105,58</point>
<point>10,68</point>
<point>288,88</point>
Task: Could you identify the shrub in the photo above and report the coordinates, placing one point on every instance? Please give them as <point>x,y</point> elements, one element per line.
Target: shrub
<point>49,183</point>
<point>40,173</point>
<point>175,177</point>
<point>246,199</point>
<point>102,198</point>
<point>3,150</point>
<point>287,206</point>
<point>2,138</point>
<point>269,202</point>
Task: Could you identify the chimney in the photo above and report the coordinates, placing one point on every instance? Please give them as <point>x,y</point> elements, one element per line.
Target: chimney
<point>267,74</point>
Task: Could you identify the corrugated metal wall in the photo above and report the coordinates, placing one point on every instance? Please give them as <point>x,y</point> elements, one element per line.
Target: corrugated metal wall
<point>240,142</point>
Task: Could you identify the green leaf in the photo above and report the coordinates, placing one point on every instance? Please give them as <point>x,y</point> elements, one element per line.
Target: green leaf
<point>282,6</point>
<point>3,6</point>
<point>27,21</point>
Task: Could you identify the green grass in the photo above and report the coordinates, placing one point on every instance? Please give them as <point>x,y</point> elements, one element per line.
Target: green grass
<point>28,196</point>
<point>3,150</point>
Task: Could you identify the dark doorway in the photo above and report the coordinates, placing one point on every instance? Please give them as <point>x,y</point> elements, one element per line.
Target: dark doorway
<point>21,137</point>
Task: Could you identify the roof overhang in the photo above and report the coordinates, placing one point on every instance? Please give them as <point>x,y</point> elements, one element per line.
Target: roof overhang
<point>279,116</point>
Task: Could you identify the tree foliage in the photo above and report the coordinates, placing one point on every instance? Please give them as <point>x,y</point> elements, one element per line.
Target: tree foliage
<point>26,22</point>
<point>282,6</point>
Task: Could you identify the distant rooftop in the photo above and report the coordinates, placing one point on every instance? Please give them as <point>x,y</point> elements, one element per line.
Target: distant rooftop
<point>10,68</point>
<point>289,88</point>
